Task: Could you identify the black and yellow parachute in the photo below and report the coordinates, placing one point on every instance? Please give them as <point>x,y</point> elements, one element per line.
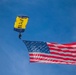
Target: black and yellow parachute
<point>20,24</point>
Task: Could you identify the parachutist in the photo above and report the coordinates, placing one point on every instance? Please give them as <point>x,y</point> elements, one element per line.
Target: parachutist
<point>20,24</point>
<point>20,36</point>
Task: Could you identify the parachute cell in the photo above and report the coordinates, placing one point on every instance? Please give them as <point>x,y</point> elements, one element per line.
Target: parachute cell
<point>20,23</point>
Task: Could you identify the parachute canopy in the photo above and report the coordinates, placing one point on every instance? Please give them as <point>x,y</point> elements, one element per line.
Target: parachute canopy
<point>20,23</point>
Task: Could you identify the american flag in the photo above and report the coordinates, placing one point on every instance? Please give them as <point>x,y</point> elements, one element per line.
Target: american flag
<point>45,52</point>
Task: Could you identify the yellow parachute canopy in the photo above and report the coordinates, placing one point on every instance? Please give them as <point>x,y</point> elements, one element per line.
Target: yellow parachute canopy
<point>20,23</point>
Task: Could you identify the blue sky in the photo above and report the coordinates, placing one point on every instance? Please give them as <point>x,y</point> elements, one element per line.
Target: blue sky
<point>49,20</point>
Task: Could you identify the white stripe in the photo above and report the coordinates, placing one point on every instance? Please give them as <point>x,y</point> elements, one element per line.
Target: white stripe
<point>73,46</point>
<point>43,61</point>
<point>54,55</point>
<point>56,44</point>
<point>63,48</point>
<point>61,52</point>
<point>49,59</point>
<point>39,53</point>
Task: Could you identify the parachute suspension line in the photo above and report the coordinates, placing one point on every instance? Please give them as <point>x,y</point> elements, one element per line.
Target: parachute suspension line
<point>20,35</point>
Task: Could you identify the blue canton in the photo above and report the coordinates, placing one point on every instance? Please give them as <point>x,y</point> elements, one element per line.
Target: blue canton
<point>37,46</point>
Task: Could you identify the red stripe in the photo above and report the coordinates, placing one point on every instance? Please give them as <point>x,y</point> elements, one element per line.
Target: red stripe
<point>74,43</point>
<point>46,59</point>
<point>60,46</point>
<point>57,57</point>
<point>67,50</point>
<point>69,55</point>
<point>66,47</point>
<point>50,61</point>
<point>51,45</point>
<point>39,59</point>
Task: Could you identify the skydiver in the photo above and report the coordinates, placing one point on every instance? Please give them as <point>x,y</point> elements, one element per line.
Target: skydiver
<point>20,35</point>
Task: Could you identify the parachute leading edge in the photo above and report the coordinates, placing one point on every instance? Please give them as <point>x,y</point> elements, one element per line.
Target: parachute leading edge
<point>20,23</point>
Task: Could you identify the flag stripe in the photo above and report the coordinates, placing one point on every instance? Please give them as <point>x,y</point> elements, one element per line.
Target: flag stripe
<point>60,50</point>
<point>64,54</point>
<point>63,50</point>
<point>51,61</point>
<point>53,56</point>
<point>61,46</point>
<point>46,52</point>
<point>46,58</point>
<point>50,55</point>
